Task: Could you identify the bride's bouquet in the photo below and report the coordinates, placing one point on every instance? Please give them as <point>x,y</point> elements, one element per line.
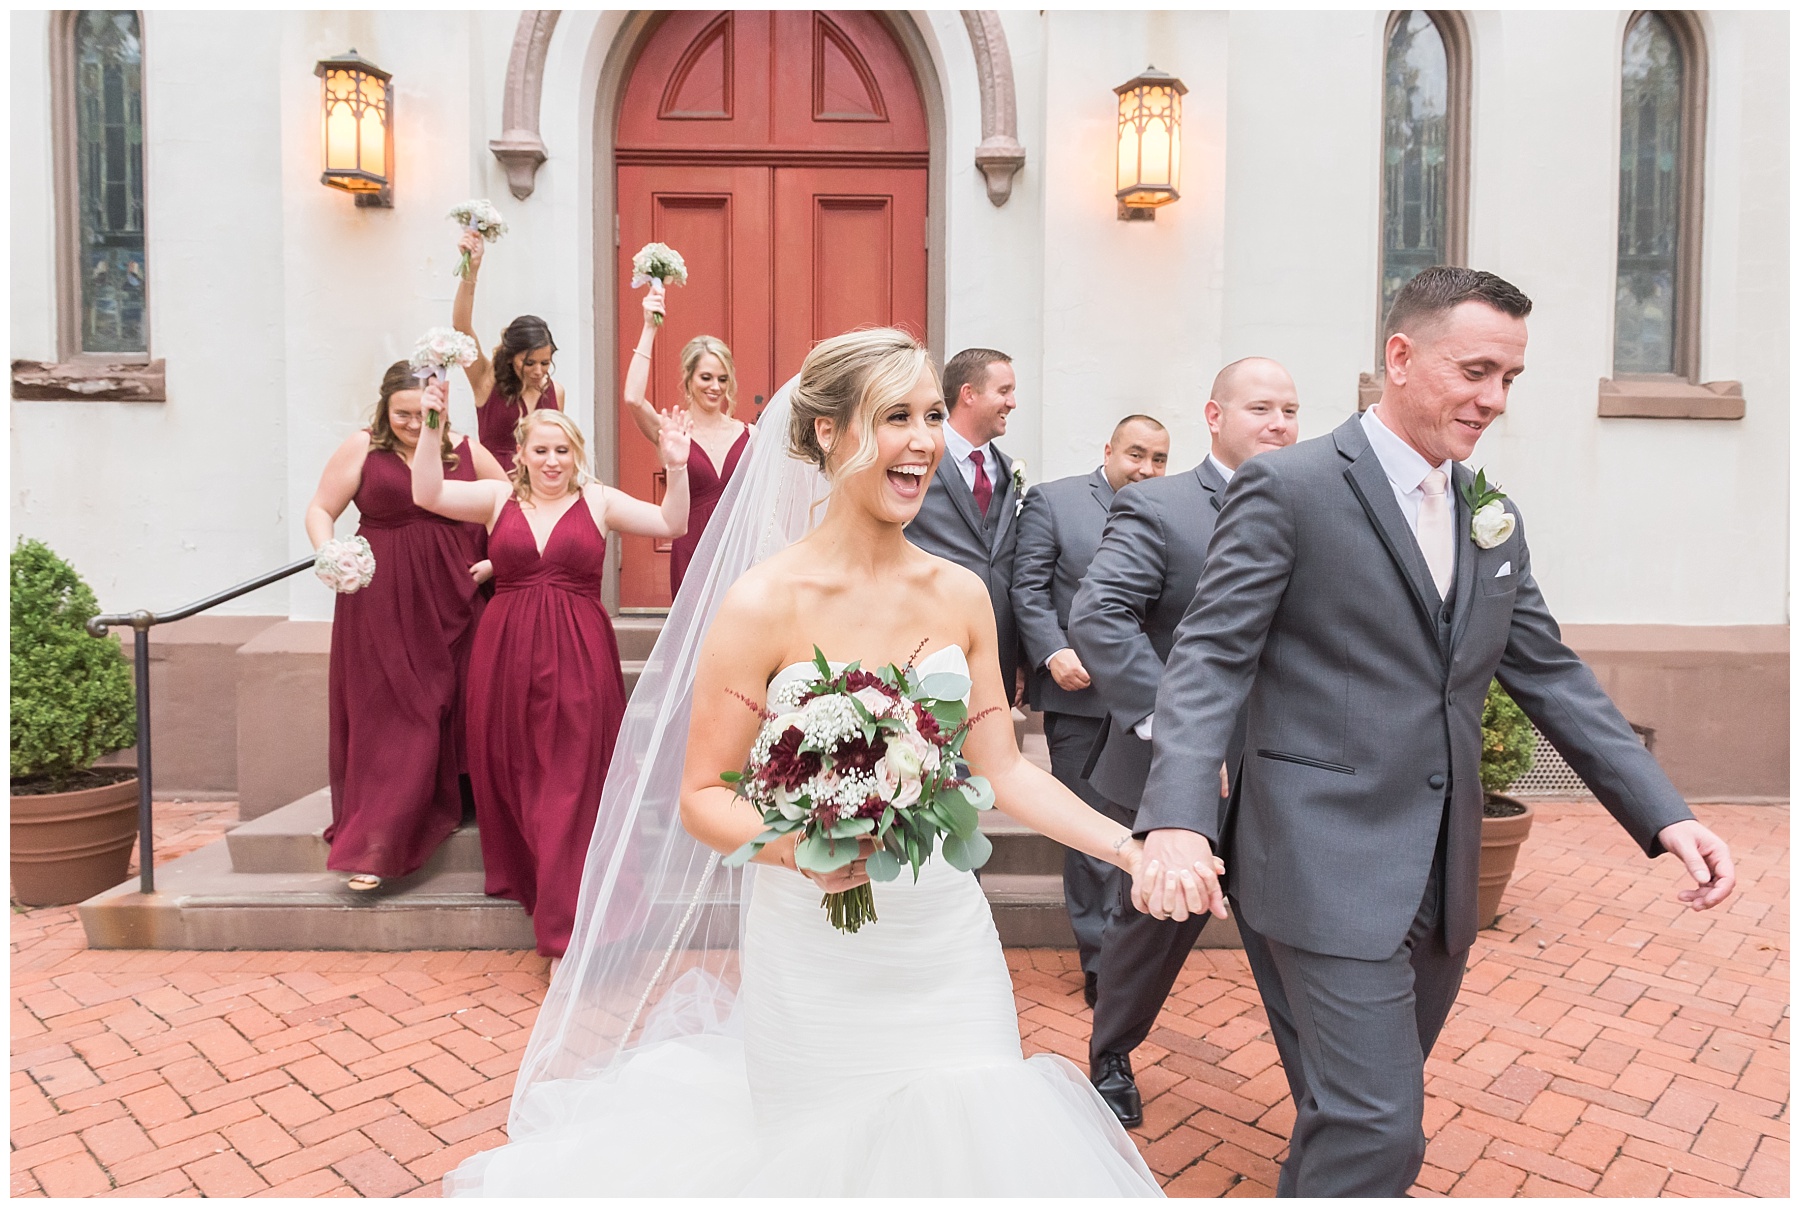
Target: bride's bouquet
<point>345,564</point>
<point>854,754</point>
<point>437,350</point>
<point>657,262</point>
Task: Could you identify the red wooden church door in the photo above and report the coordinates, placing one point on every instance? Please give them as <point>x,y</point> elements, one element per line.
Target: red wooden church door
<point>783,154</point>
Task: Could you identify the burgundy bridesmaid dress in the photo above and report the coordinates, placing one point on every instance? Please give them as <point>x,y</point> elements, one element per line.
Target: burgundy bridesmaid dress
<point>399,655</point>
<point>705,486</point>
<point>499,416</point>
<point>546,696</point>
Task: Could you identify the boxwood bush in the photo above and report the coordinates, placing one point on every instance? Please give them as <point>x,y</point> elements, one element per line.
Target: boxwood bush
<point>1507,740</point>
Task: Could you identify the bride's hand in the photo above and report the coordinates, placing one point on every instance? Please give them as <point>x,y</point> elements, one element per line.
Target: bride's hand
<point>848,877</point>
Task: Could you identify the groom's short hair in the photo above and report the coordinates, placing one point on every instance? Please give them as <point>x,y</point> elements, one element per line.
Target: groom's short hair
<point>1437,290</point>
<point>969,366</point>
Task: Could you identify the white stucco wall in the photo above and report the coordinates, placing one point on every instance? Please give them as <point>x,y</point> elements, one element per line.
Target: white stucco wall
<point>276,303</point>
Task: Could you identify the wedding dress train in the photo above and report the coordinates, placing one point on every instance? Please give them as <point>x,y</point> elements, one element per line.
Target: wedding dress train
<point>885,1063</point>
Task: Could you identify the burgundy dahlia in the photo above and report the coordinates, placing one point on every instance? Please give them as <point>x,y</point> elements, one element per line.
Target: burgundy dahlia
<point>789,766</point>
<point>858,752</point>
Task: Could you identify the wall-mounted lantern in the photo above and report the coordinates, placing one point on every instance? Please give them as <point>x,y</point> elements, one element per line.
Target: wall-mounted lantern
<point>358,105</point>
<point>1149,143</point>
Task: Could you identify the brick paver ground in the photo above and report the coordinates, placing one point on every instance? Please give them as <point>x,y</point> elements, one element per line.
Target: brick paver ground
<point>1606,1042</point>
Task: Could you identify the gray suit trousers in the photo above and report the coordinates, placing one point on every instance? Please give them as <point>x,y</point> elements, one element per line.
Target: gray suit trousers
<point>1090,886</point>
<point>1140,958</point>
<point>1353,1037</point>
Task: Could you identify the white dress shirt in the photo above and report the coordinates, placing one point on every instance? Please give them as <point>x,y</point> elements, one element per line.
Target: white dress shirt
<point>958,448</point>
<point>1224,470</point>
<point>1404,467</point>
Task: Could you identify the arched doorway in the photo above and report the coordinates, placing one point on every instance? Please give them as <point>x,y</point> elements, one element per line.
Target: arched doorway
<point>784,154</point>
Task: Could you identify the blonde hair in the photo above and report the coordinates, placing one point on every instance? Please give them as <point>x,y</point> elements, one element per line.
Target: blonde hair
<point>521,474</point>
<point>698,347</point>
<point>850,379</point>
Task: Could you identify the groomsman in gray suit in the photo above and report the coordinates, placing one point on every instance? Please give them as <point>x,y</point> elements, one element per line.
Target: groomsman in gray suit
<point>1059,530</point>
<point>1122,624</point>
<point>969,509</point>
<point>1358,599</point>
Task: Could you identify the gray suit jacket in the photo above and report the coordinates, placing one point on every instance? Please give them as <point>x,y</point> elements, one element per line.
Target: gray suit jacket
<point>950,526</point>
<point>1059,530</point>
<point>1123,620</point>
<point>1365,694</point>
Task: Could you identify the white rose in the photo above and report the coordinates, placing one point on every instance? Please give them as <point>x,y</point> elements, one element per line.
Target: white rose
<point>877,702</point>
<point>1492,525</point>
<point>903,761</point>
<point>901,790</point>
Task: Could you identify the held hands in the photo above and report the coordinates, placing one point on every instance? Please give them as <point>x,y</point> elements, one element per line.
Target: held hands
<point>653,304</point>
<point>1179,877</point>
<point>481,572</point>
<point>673,438</point>
<point>1708,861</point>
<point>1066,669</point>
<point>472,245</point>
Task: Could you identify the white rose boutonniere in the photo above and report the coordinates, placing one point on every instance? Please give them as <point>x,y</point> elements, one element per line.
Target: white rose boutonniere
<point>1019,485</point>
<point>1490,522</point>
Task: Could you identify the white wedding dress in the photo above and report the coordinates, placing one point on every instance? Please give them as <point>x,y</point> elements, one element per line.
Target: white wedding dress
<point>885,1063</point>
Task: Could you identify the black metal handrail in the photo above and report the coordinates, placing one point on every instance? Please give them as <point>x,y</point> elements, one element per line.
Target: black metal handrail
<point>140,622</point>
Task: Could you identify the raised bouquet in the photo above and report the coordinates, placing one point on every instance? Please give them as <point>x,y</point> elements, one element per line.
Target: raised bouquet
<point>436,351</point>
<point>851,755</point>
<point>345,564</point>
<point>480,216</point>
<point>657,262</point>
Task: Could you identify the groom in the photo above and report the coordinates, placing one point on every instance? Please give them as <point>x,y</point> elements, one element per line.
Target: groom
<point>1356,605</point>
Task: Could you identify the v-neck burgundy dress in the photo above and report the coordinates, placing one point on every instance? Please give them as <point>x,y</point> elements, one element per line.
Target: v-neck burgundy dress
<point>399,654</point>
<point>546,696</point>
<point>705,486</point>
<point>498,418</point>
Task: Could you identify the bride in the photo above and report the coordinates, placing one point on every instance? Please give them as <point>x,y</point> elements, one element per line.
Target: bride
<point>740,1045</point>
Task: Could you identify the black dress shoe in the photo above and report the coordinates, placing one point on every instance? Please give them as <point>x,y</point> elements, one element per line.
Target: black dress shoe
<point>1111,1076</point>
<point>1090,988</point>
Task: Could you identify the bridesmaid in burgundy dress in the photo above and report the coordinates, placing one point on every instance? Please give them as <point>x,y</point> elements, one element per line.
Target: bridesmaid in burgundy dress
<point>516,381</point>
<point>709,389</point>
<point>546,694</point>
<point>400,646</point>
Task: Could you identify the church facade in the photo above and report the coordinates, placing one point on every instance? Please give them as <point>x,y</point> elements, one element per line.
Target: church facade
<point>198,319</point>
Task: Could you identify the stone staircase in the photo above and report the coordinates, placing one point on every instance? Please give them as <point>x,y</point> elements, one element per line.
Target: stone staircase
<point>264,886</point>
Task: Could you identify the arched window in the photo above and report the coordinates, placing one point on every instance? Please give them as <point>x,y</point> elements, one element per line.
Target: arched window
<point>1424,148</point>
<point>1656,313</point>
<point>98,75</point>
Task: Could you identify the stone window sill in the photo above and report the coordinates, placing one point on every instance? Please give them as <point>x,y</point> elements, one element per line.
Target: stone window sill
<point>1670,398</point>
<point>90,380</point>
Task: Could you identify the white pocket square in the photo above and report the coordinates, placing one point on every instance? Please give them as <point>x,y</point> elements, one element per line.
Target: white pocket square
<point>1505,570</point>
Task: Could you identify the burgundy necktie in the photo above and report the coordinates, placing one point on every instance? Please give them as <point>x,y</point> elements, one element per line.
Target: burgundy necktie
<point>984,486</point>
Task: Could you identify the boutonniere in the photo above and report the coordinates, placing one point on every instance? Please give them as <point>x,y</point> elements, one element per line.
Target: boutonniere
<point>1490,523</point>
<point>1018,477</point>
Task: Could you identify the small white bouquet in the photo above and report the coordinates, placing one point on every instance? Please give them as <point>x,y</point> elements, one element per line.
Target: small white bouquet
<point>436,351</point>
<point>479,215</point>
<point>345,564</point>
<point>657,262</point>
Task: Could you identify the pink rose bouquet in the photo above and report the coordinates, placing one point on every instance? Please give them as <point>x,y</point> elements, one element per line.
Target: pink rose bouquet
<point>345,564</point>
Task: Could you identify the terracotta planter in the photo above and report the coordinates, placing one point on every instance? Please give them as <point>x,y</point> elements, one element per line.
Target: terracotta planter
<point>1500,842</point>
<point>67,847</point>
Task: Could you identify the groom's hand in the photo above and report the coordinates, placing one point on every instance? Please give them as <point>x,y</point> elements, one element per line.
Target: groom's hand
<point>1179,877</point>
<point>1708,861</point>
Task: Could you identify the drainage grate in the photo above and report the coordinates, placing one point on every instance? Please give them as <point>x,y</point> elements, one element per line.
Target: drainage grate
<point>1551,776</point>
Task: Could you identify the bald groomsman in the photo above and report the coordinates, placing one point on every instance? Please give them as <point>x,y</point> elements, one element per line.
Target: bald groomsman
<point>1059,530</point>
<point>1122,624</point>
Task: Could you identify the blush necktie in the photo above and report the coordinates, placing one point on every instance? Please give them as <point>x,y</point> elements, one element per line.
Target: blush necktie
<point>1436,520</point>
<point>984,486</point>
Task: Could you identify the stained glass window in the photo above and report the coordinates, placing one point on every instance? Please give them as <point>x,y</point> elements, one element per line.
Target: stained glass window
<point>1650,188</point>
<point>109,142</point>
<point>1415,147</point>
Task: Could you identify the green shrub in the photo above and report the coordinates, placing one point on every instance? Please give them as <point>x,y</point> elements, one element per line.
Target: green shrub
<point>72,694</point>
<point>1507,740</point>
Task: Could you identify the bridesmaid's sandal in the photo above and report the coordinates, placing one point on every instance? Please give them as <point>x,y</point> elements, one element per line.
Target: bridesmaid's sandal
<point>362,882</point>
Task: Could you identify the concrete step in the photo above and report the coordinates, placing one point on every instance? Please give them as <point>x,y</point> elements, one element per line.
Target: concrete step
<point>292,840</point>
<point>201,903</point>
<point>636,634</point>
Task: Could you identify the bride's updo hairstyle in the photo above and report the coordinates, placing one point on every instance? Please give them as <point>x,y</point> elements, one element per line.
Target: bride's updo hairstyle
<point>850,379</point>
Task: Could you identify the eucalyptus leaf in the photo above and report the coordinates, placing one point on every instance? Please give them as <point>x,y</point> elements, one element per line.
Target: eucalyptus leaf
<point>815,853</point>
<point>958,814</point>
<point>967,854</point>
<point>979,792</point>
<point>945,686</point>
<point>742,855</point>
<point>849,828</point>
<point>882,866</point>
